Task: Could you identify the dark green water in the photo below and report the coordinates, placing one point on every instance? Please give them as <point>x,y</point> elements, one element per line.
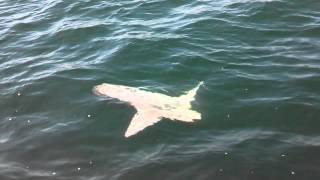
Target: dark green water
<point>260,102</point>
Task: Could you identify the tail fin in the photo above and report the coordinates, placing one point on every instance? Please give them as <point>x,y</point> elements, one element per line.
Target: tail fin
<point>189,96</point>
<point>184,111</point>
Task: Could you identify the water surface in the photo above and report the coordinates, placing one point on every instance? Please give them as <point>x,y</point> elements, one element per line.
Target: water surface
<point>259,60</point>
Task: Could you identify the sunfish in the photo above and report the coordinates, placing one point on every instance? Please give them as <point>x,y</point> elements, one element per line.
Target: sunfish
<point>151,107</point>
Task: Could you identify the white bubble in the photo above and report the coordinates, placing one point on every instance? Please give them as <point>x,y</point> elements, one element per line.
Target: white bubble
<point>292,172</point>
<point>53,173</point>
<point>89,115</point>
<point>78,169</point>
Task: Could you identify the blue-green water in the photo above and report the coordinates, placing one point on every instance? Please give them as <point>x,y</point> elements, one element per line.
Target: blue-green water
<point>259,60</point>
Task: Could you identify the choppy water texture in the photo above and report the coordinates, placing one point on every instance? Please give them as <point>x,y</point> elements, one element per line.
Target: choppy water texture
<point>259,60</point>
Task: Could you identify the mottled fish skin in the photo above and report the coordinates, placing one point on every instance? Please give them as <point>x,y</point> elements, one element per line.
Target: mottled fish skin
<point>151,107</point>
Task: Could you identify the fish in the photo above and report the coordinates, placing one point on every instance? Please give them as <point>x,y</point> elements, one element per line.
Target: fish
<point>151,107</point>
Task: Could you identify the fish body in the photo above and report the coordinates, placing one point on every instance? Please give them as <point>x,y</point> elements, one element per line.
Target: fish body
<point>151,107</point>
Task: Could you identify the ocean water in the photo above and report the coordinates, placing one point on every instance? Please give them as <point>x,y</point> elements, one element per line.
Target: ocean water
<point>260,102</point>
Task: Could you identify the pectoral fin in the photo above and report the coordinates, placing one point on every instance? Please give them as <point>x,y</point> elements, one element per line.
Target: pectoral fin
<point>140,121</point>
